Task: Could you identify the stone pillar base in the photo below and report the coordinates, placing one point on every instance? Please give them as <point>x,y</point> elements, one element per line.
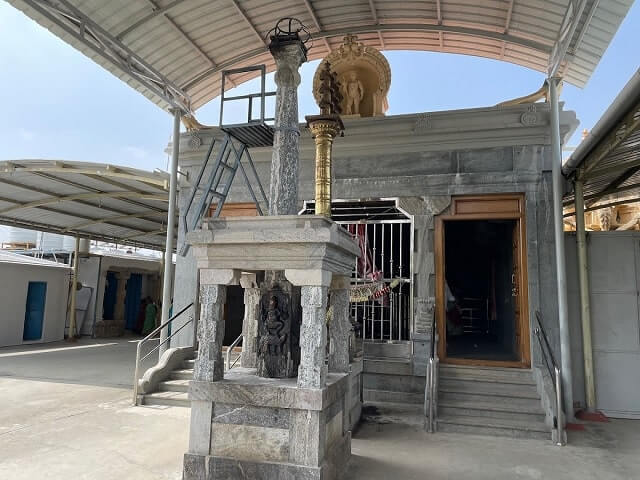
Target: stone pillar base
<point>264,428</point>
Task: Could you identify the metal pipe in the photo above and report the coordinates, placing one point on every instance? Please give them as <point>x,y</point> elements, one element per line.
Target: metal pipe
<point>585,304</point>
<point>561,274</point>
<point>560,441</point>
<point>171,216</point>
<point>72,313</point>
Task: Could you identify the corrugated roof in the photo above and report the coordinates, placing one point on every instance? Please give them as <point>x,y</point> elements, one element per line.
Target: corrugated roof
<point>173,51</point>
<point>91,200</point>
<point>608,160</point>
<point>8,257</point>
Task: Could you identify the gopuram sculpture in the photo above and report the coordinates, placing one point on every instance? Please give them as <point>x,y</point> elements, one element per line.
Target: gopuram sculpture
<point>365,77</point>
<point>286,412</point>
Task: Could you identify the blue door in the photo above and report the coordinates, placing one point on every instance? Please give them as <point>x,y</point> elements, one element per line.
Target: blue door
<point>34,311</point>
<point>110,292</point>
<point>132,300</point>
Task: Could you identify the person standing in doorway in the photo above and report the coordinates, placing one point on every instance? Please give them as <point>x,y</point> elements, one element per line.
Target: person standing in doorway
<point>150,313</point>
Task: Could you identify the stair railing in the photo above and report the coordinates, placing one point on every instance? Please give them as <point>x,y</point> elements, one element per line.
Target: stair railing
<point>431,386</point>
<point>136,375</point>
<point>228,353</point>
<point>556,376</point>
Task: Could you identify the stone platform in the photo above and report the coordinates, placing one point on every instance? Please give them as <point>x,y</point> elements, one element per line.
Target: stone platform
<point>264,428</point>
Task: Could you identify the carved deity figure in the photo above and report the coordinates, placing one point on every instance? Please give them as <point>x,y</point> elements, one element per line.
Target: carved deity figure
<point>353,93</point>
<point>273,342</point>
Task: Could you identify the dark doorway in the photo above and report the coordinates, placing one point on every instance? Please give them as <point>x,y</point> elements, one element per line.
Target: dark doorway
<point>233,313</point>
<point>34,311</point>
<point>110,293</point>
<point>481,298</point>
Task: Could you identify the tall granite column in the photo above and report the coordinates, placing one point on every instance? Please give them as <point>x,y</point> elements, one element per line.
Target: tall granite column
<point>250,320</point>
<point>283,190</point>
<point>339,325</point>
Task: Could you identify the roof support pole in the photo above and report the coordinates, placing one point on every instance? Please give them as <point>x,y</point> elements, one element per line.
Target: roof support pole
<point>167,277</point>
<point>72,314</point>
<point>561,274</point>
<point>585,304</point>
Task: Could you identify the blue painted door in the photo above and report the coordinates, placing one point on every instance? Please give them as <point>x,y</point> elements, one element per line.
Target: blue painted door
<point>132,300</point>
<point>110,292</point>
<point>34,311</point>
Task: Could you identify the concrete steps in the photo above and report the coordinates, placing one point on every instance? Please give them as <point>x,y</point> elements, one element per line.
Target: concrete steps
<point>174,391</point>
<point>391,393</point>
<point>490,401</point>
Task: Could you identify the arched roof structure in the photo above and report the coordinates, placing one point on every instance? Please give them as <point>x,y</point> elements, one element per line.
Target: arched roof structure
<point>173,51</point>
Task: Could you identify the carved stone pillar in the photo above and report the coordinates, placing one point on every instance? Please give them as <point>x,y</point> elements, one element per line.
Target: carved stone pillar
<point>250,320</point>
<point>283,190</point>
<point>209,365</point>
<point>121,294</point>
<point>339,325</point>
<point>312,372</point>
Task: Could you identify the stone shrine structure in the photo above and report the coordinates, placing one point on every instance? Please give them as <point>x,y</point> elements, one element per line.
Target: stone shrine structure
<point>365,77</point>
<point>291,416</point>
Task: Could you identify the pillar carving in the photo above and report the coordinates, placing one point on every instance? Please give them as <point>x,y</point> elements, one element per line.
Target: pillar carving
<point>250,320</point>
<point>339,325</point>
<point>283,190</point>
<point>312,372</point>
<point>209,366</point>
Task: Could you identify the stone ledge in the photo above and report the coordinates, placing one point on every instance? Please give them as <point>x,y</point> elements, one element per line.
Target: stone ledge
<point>242,386</point>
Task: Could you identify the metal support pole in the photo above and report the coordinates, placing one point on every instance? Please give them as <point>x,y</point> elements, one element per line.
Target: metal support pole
<point>561,274</point>
<point>171,217</point>
<point>585,304</point>
<point>72,313</point>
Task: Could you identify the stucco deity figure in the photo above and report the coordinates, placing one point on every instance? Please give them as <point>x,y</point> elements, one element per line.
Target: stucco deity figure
<point>353,93</point>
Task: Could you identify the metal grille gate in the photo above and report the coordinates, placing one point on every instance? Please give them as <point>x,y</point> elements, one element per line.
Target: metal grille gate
<point>386,234</point>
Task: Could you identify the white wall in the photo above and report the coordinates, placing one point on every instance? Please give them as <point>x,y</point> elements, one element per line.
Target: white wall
<point>614,275</point>
<point>14,282</point>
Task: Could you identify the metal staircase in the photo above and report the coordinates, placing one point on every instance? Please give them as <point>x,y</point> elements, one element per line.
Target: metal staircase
<point>232,152</point>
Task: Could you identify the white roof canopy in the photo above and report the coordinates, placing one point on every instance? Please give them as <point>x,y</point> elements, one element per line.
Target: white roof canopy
<point>91,200</point>
<point>173,51</point>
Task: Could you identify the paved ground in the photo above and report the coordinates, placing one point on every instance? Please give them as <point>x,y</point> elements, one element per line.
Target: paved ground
<point>65,413</point>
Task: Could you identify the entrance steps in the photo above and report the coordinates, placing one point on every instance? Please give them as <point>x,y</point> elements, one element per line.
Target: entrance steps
<point>174,391</point>
<point>391,393</point>
<point>490,401</point>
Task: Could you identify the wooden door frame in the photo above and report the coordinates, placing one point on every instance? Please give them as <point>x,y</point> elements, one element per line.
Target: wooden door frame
<point>484,207</point>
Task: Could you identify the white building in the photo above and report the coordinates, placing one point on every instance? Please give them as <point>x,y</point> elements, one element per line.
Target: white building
<point>34,297</point>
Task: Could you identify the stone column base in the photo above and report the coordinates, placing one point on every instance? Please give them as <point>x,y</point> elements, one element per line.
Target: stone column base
<point>248,427</point>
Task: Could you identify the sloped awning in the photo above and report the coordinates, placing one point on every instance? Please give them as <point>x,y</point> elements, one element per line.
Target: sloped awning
<point>173,51</point>
<point>90,200</point>
<point>608,159</point>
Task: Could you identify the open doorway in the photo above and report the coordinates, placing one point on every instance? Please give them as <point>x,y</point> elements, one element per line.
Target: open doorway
<point>481,267</point>
<point>480,297</point>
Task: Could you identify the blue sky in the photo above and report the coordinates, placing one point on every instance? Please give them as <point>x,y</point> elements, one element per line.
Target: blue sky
<point>58,104</point>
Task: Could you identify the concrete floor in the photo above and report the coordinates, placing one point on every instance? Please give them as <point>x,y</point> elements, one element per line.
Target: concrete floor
<point>65,412</point>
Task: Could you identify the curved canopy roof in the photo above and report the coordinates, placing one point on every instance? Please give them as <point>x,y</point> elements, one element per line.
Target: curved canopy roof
<point>91,200</point>
<point>173,51</point>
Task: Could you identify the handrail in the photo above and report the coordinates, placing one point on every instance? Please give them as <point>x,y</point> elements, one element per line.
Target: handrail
<point>431,386</point>
<point>556,378</point>
<point>136,375</point>
<point>228,353</point>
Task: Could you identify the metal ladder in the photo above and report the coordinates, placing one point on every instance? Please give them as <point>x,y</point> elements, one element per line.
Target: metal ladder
<point>228,161</point>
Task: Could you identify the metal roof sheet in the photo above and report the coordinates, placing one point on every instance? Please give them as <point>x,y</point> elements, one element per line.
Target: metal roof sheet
<point>608,159</point>
<point>9,257</point>
<point>91,200</point>
<point>173,51</point>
